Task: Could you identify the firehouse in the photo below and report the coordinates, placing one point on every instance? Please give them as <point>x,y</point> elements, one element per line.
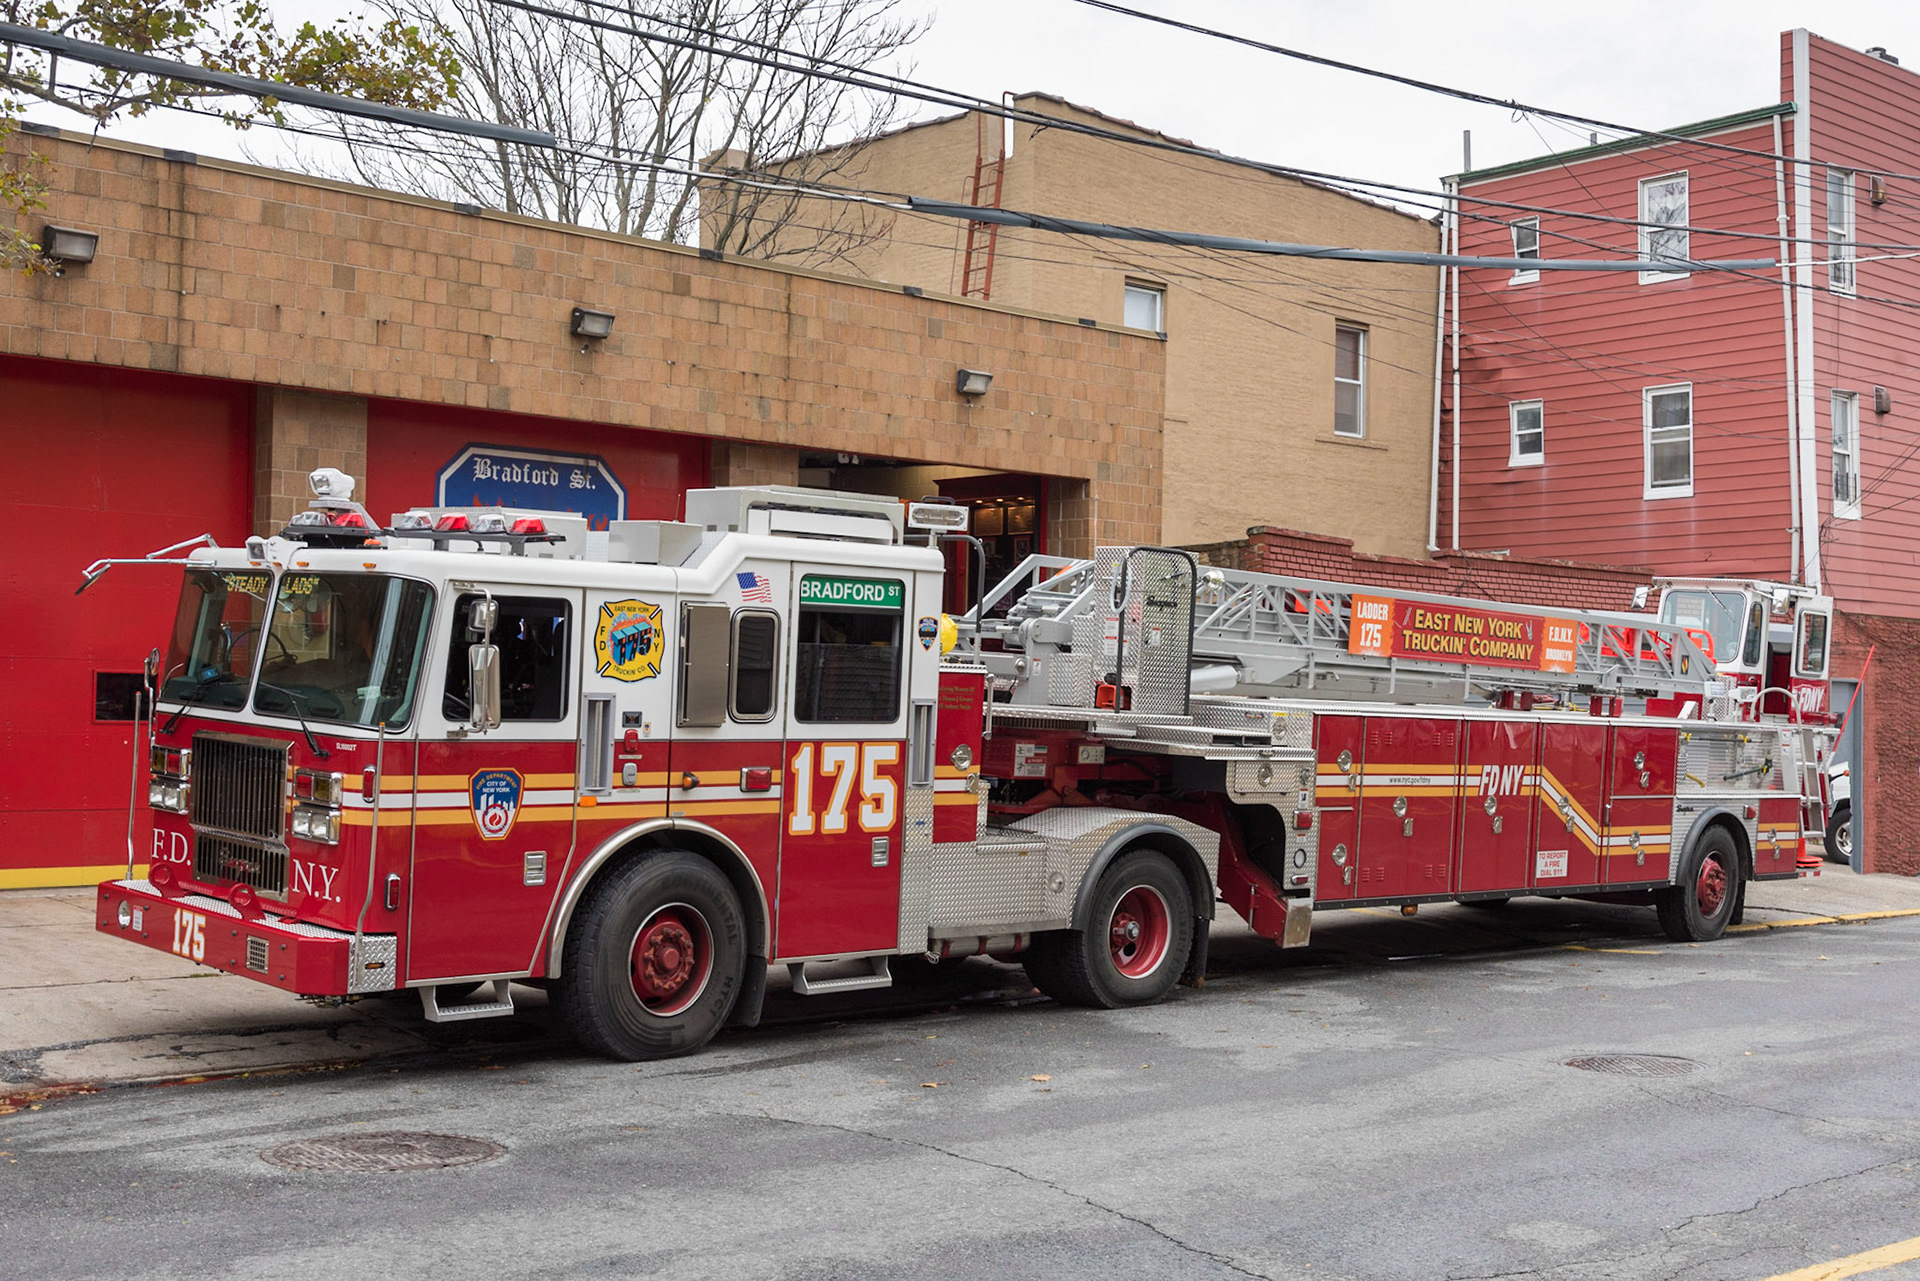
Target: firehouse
<point>479,747</point>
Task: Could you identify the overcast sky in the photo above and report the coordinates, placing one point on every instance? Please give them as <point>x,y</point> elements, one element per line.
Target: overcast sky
<point>1641,63</point>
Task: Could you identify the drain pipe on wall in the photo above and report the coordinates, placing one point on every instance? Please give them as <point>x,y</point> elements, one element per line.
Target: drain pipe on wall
<point>1439,367</point>
<point>1454,408</point>
<point>1793,391</point>
<point>1803,309</point>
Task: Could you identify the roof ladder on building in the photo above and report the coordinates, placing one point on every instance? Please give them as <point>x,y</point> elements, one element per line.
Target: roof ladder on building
<point>976,267</point>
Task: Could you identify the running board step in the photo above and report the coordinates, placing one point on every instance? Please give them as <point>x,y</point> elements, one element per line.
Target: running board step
<point>499,1006</point>
<point>881,976</point>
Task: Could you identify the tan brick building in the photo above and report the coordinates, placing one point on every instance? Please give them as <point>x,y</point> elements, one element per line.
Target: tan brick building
<point>238,327</point>
<point>1251,431</point>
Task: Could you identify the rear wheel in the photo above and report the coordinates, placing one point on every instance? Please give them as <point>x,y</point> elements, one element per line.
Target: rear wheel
<point>1138,935</point>
<point>654,960</point>
<point>1840,835</point>
<point>1702,905</point>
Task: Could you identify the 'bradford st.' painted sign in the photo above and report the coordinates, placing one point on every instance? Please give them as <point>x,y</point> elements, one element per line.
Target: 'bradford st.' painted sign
<point>499,476</point>
<point>1383,627</point>
<point>860,593</point>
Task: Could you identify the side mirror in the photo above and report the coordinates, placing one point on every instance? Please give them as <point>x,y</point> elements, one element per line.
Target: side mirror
<point>481,616</point>
<point>483,686</point>
<point>151,668</point>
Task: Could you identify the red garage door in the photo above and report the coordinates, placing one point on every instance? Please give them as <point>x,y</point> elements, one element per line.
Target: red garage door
<point>101,463</point>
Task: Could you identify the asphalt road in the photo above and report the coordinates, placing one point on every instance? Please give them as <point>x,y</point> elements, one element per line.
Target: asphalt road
<point>1393,1103</point>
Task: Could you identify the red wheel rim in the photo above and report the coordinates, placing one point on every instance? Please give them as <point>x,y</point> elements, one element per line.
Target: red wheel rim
<point>1710,891</point>
<point>671,957</point>
<point>1139,931</point>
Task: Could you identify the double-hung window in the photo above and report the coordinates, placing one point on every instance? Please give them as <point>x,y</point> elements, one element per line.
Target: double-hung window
<point>1668,415</point>
<point>1840,248</point>
<point>1349,381</point>
<point>1663,226</point>
<point>1529,433</point>
<point>1526,246</point>
<point>1846,456</point>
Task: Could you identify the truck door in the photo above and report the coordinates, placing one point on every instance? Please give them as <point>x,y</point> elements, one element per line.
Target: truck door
<point>1812,629</point>
<point>846,758</point>
<point>1341,772</point>
<point>1496,815</point>
<point>1639,808</point>
<point>1573,764</point>
<point>1407,806</point>
<point>728,713</point>
<point>494,809</point>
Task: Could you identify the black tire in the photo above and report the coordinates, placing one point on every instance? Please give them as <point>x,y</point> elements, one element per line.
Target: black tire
<point>1138,936</point>
<point>1703,904</point>
<point>670,921</point>
<point>1840,835</point>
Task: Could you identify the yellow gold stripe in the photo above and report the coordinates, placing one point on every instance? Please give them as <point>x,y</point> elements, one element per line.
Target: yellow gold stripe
<point>955,798</point>
<point>729,807</point>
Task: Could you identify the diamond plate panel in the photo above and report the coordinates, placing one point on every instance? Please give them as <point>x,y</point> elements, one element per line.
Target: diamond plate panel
<point>916,866</point>
<point>372,964</point>
<point>1156,634</point>
<point>999,882</point>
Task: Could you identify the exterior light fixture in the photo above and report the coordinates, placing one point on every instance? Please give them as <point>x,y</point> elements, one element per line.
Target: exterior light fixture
<point>590,324</point>
<point>972,382</point>
<point>68,246</point>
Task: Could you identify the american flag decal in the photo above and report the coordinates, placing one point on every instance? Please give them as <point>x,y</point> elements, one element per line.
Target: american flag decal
<point>755,587</point>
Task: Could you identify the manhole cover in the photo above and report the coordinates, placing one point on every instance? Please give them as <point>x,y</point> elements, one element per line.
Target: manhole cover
<point>1635,1064</point>
<point>381,1153</point>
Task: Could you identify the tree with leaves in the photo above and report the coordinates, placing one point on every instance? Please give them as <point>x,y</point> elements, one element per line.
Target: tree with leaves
<point>390,62</point>
<point>642,94</point>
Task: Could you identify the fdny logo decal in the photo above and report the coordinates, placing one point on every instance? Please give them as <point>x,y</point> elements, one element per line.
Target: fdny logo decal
<point>496,802</point>
<point>929,632</point>
<point>629,641</point>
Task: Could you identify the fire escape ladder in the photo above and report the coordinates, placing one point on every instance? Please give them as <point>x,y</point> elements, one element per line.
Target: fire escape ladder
<point>976,268</point>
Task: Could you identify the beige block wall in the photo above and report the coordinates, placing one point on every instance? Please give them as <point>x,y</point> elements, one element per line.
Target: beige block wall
<point>1249,396</point>
<point>296,432</point>
<point>230,271</point>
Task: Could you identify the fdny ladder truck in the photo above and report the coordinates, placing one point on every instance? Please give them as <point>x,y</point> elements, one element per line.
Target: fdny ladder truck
<point>639,767</point>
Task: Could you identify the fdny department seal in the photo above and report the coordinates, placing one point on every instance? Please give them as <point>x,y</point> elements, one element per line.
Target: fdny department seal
<point>629,641</point>
<point>496,802</point>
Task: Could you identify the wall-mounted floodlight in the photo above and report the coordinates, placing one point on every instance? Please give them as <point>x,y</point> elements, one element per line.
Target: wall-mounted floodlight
<point>972,382</point>
<point>590,324</point>
<point>68,246</point>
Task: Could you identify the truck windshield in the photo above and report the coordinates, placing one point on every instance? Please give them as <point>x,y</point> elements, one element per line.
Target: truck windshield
<point>216,633</point>
<point>1722,615</point>
<point>345,648</point>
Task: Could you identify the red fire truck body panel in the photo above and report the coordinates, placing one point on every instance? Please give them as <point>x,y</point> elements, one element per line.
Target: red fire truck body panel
<point>839,854</point>
<point>1496,840</point>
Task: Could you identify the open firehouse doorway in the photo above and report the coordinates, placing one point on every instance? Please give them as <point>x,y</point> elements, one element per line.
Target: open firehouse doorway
<point>1847,751</point>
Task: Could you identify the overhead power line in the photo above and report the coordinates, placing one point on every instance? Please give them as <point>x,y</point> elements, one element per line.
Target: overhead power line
<point>101,55</point>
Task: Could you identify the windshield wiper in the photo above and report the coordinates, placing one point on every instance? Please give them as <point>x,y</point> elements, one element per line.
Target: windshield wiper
<point>199,691</point>
<point>293,701</point>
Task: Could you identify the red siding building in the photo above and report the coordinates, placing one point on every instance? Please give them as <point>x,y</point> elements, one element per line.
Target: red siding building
<point>1762,422</point>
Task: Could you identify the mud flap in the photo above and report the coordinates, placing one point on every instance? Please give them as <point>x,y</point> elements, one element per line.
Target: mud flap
<point>753,994</point>
<point>1195,975</point>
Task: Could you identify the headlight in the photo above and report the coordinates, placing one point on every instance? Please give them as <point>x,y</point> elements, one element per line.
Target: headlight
<point>318,786</point>
<point>317,824</point>
<point>168,794</point>
<point>303,822</point>
<point>173,762</point>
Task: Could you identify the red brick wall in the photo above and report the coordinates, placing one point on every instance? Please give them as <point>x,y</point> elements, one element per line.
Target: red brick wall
<point>1548,583</point>
<point>1886,781</point>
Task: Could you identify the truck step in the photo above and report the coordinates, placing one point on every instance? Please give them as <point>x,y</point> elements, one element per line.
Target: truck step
<point>499,1006</point>
<point>881,976</point>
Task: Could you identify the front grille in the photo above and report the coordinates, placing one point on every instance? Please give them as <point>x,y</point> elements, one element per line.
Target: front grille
<point>260,864</point>
<point>240,786</point>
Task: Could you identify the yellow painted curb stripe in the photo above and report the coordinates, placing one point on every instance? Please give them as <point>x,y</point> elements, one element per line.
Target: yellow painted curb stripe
<point>48,878</point>
<point>1848,918</point>
<point>1854,1264</point>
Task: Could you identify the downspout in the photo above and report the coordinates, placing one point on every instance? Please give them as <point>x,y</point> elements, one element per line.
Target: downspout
<point>1793,391</point>
<point>1803,311</point>
<point>1454,409</point>
<point>1439,367</point>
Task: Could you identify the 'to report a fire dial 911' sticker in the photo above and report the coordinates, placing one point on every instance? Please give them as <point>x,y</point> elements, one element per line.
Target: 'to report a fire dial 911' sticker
<point>628,642</point>
<point>496,802</point>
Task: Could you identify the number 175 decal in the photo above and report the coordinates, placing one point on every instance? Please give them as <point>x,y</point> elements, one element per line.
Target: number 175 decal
<point>834,768</point>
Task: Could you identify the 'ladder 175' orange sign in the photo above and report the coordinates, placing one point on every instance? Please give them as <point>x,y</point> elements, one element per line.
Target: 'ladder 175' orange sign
<point>1383,627</point>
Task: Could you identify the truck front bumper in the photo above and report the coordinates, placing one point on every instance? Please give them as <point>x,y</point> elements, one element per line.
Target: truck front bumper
<point>310,960</point>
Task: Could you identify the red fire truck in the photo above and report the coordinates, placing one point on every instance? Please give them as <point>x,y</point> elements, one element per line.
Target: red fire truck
<point>638,767</point>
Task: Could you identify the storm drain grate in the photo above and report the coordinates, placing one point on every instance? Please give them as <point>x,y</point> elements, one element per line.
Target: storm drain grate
<point>381,1153</point>
<point>1635,1064</point>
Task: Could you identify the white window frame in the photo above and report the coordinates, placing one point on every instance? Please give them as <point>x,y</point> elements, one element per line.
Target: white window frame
<point>1681,237</point>
<point>1359,384</point>
<point>1159,295</point>
<point>1648,489</point>
<point>1522,276</point>
<point>1845,413</point>
<point>1843,271</point>
<point>1514,409</point>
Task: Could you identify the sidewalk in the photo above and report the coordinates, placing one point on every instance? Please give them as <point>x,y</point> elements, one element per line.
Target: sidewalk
<point>79,1007</point>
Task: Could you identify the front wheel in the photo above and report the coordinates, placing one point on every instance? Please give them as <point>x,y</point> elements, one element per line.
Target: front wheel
<point>1137,937</point>
<point>1701,906</point>
<point>655,959</point>
<point>1840,835</point>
